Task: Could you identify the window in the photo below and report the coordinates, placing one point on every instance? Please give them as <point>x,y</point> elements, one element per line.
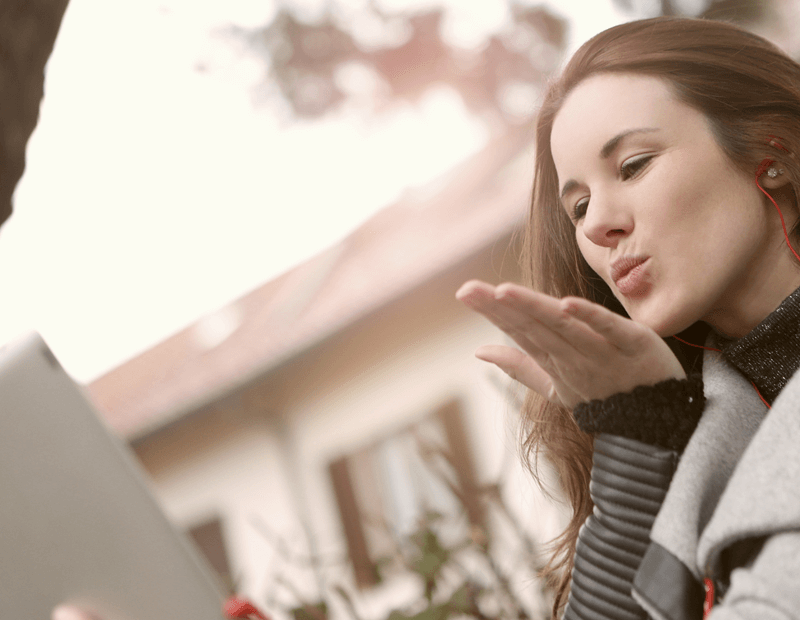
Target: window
<point>208,538</point>
<point>384,489</point>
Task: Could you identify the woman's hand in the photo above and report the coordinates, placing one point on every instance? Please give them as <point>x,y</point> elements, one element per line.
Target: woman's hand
<point>573,350</point>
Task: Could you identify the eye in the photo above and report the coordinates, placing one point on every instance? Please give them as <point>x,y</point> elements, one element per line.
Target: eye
<point>579,210</point>
<point>632,166</point>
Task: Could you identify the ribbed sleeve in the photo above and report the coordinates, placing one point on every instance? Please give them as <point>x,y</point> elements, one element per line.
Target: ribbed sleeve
<point>629,481</point>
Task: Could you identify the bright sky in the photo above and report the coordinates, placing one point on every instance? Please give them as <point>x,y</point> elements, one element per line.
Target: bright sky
<point>156,193</point>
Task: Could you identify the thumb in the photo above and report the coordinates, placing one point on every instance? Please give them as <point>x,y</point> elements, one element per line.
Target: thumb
<point>518,366</point>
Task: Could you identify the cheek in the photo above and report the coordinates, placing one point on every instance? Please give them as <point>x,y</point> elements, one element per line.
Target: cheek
<point>592,254</point>
<point>705,223</point>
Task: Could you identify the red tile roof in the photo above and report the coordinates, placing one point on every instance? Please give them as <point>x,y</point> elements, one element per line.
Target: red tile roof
<point>396,250</point>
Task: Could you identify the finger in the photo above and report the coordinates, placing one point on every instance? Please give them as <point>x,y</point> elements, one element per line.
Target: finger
<point>502,306</point>
<point>616,329</point>
<point>542,321</point>
<point>473,289</point>
<point>532,337</point>
<point>480,297</point>
<point>524,304</point>
<point>526,371</point>
<point>519,367</point>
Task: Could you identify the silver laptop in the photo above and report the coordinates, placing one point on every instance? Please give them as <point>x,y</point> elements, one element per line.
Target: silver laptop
<point>77,521</point>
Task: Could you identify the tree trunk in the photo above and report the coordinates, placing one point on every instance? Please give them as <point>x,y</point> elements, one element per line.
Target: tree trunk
<point>28,31</point>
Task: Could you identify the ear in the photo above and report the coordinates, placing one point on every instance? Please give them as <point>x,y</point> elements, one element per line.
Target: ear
<point>777,179</point>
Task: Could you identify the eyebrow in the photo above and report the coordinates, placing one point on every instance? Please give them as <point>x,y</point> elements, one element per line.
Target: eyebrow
<point>612,145</point>
<point>608,150</point>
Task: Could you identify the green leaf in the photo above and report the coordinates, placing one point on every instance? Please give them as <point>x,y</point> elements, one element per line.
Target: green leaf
<point>318,611</point>
<point>461,601</point>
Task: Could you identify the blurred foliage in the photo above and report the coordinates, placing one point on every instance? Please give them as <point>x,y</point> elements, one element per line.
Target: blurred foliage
<point>485,572</point>
<point>739,11</point>
<point>483,592</point>
<point>318,611</point>
<point>305,57</point>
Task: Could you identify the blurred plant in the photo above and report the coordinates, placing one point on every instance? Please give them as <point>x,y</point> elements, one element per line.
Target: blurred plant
<point>741,11</point>
<point>311,64</point>
<point>306,59</point>
<point>461,570</point>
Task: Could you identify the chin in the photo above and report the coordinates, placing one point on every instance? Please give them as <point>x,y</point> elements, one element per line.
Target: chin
<point>664,321</point>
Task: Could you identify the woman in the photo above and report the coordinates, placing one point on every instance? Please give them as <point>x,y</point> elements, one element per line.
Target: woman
<point>665,168</point>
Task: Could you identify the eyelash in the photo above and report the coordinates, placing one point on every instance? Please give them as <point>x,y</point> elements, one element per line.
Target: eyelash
<point>579,210</point>
<point>632,166</point>
<point>629,169</point>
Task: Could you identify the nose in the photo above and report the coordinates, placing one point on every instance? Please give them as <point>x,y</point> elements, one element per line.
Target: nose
<point>606,224</point>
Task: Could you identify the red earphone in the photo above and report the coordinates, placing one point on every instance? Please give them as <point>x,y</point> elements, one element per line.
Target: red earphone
<point>762,168</point>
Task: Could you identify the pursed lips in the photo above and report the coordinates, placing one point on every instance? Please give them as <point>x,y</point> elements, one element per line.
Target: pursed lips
<point>624,264</point>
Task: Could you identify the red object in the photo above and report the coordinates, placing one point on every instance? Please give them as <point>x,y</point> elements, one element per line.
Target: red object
<point>709,602</point>
<point>241,608</point>
<point>763,400</point>
<point>697,346</point>
<point>773,141</point>
<point>759,171</point>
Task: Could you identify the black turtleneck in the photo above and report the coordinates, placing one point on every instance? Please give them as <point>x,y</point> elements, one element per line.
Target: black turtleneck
<point>770,354</point>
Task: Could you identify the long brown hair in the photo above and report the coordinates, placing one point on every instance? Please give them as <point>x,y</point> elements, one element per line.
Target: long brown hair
<point>748,90</point>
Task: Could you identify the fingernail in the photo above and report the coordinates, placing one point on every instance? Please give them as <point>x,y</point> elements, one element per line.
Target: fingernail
<point>479,354</point>
<point>65,612</point>
<point>461,292</point>
<point>503,292</point>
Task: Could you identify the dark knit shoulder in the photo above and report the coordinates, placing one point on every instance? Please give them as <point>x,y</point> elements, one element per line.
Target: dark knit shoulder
<point>664,414</point>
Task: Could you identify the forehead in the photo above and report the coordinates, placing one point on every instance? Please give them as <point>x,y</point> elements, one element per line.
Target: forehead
<point>606,105</point>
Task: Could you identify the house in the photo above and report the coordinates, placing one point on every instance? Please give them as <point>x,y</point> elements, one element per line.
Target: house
<point>273,426</point>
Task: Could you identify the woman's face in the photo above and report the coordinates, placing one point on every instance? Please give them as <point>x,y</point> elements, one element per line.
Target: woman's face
<point>661,214</point>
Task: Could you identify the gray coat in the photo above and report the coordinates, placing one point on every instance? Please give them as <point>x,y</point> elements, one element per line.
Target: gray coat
<point>738,479</point>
